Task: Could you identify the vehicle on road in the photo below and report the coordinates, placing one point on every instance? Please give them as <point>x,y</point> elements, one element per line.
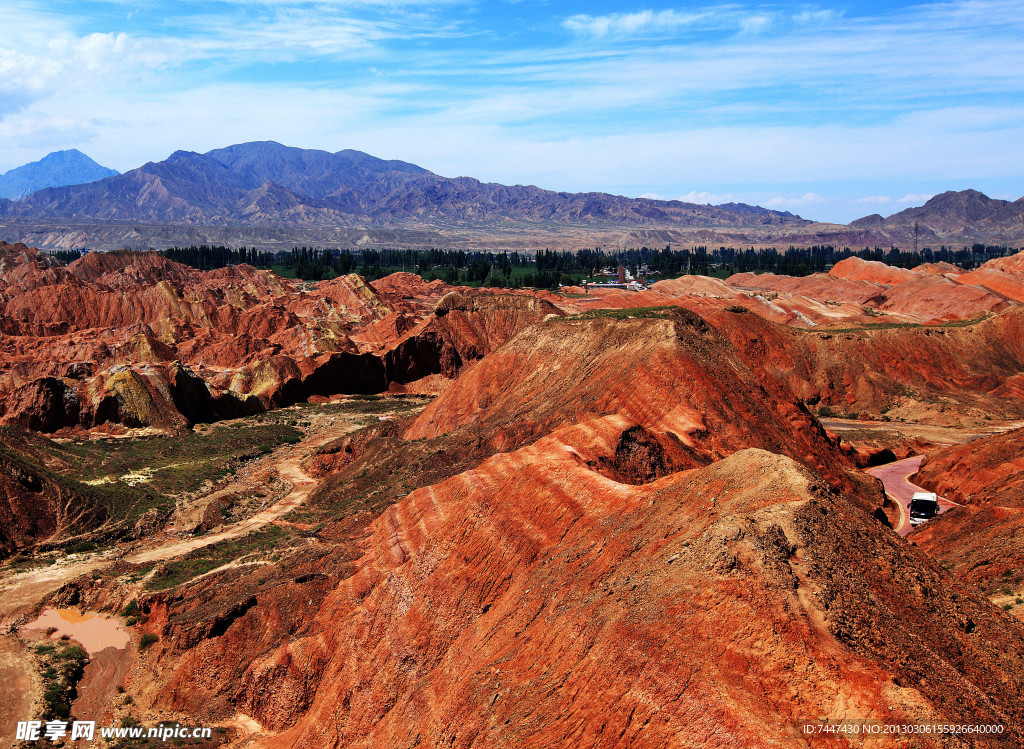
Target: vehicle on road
<point>923,507</point>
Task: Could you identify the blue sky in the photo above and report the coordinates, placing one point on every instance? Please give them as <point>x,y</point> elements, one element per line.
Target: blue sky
<point>830,110</point>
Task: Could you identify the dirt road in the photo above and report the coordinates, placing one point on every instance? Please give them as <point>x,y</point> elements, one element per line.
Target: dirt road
<point>895,477</point>
<point>290,469</point>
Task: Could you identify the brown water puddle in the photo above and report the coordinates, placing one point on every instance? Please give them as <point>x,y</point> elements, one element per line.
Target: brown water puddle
<point>110,658</point>
<point>95,632</point>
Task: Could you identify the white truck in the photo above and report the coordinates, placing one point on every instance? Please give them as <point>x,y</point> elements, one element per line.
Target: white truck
<point>923,506</point>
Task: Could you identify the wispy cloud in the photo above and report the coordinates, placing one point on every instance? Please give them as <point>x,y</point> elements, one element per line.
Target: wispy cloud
<point>803,201</point>
<point>633,23</point>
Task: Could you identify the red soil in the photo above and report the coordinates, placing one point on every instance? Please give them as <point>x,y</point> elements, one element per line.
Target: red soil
<point>856,269</point>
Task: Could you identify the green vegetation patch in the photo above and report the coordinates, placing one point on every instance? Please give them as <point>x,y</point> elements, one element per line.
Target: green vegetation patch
<point>61,667</point>
<point>159,466</point>
<point>262,542</point>
<point>629,313</point>
<point>894,325</point>
<point>367,405</point>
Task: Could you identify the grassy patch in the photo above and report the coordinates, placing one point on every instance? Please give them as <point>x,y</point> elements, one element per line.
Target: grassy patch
<point>261,542</point>
<point>895,325</point>
<point>367,405</point>
<point>174,464</point>
<point>628,313</point>
<point>61,669</point>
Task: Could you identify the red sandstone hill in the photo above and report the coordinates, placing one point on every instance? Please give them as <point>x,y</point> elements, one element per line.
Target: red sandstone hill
<point>856,269</point>
<point>987,471</point>
<point>676,380</point>
<point>533,601</point>
<point>601,558</point>
<point>945,372</point>
<point>136,339</point>
<point>983,541</point>
<point>924,294</point>
<point>36,505</point>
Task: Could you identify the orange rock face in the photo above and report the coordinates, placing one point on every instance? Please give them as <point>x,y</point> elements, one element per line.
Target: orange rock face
<point>934,298</point>
<point>675,376</point>
<point>34,506</point>
<point>984,539</point>
<point>878,370</point>
<point>856,269</point>
<point>535,602</point>
<point>256,341</point>
<point>634,534</point>
<point>928,293</point>
<point>135,339</point>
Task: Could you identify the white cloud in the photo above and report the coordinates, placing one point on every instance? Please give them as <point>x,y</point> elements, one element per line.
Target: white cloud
<point>807,199</point>
<point>757,23</point>
<point>875,200</point>
<point>808,17</point>
<point>632,23</point>
<point>911,198</point>
<point>702,197</point>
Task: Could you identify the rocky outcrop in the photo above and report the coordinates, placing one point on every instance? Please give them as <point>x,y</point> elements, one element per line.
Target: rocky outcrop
<point>677,376</point>
<point>983,540</point>
<point>170,396</point>
<point>931,293</point>
<point>37,506</point>
<point>136,339</point>
<point>963,369</point>
<point>462,329</point>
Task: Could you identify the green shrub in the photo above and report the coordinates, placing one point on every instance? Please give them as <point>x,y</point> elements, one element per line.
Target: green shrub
<point>80,547</point>
<point>131,609</point>
<point>147,640</point>
<point>73,652</point>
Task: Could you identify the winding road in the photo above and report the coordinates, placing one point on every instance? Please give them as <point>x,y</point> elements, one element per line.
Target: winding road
<point>896,478</point>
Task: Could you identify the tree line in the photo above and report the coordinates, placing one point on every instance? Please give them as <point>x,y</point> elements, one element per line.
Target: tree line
<point>549,268</point>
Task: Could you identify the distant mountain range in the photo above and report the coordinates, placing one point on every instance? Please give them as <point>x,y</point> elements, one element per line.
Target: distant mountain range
<point>270,195</point>
<point>267,184</point>
<point>952,215</point>
<point>57,169</point>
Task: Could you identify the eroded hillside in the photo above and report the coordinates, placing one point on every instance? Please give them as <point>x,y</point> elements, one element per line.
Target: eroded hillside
<point>616,521</point>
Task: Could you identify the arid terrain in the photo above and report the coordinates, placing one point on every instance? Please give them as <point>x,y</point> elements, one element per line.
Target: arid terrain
<point>400,513</point>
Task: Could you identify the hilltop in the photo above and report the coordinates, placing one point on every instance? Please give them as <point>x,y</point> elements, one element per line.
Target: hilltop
<point>71,167</point>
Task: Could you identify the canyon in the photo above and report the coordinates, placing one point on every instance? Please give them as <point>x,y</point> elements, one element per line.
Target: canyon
<point>402,513</point>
